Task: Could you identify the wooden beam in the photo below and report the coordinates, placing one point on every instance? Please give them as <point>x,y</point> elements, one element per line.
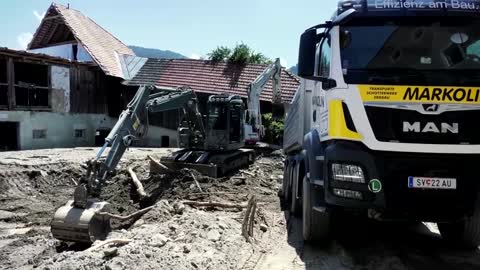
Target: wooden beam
<point>11,82</point>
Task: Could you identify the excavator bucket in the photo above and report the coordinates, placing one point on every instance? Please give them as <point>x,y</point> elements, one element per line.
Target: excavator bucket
<point>73,224</point>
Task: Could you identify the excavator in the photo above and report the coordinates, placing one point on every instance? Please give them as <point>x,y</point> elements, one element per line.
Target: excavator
<point>213,148</point>
<point>254,129</point>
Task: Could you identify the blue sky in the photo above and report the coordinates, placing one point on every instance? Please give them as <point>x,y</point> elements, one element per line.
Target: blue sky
<point>190,27</point>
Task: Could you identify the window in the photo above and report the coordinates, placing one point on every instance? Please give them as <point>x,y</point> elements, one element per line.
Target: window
<point>39,134</point>
<point>80,133</point>
<point>325,57</point>
<point>71,51</point>
<point>31,85</point>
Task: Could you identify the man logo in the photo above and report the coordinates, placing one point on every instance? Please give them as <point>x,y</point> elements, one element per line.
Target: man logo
<point>430,107</point>
<point>417,127</point>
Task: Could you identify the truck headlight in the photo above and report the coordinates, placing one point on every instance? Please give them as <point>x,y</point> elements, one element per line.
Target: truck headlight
<point>347,173</point>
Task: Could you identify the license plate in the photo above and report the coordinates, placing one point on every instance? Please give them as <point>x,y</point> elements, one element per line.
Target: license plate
<point>432,182</point>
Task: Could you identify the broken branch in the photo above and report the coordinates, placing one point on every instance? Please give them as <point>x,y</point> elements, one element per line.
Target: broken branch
<point>212,193</point>
<point>140,212</point>
<point>214,204</point>
<point>74,182</point>
<point>196,182</point>
<point>248,219</point>
<point>157,167</point>
<point>137,183</point>
<point>109,241</point>
<point>245,172</point>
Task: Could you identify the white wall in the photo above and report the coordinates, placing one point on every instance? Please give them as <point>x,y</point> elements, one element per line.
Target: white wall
<point>60,129</point>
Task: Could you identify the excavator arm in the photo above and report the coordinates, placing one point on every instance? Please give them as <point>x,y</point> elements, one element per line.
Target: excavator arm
<point>254,128</point>
<point>80,220</point>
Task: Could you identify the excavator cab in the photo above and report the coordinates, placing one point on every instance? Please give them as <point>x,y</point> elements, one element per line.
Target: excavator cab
<point>225,123</point>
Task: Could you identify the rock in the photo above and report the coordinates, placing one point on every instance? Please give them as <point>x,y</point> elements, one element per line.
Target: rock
<point>213,235</point>
<point>139,223</point>
<point>163,204</point>
<point>194,264</point>
<point>158,240</point>
<point>43,173</point>
<point>263,227</point>
<point>222,226</point>
<point>178,207</point>
<point>173,227</point>
<point>186,249</point>
<point>238,181</point>
<point>6,215</point>
<point>110,252</point>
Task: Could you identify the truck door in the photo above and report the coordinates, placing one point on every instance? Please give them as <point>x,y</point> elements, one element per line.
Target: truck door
<point>319,120</point>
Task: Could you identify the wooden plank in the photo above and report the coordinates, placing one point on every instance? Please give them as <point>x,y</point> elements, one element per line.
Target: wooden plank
<point>11,82</point>
<point>49,82</point>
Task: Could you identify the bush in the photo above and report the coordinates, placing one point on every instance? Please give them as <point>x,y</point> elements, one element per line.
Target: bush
<point>273,129</point>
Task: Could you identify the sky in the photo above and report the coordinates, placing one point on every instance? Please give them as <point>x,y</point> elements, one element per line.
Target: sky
<point>190,27</point>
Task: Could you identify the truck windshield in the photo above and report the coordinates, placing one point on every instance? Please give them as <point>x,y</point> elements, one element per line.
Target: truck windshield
<point>436,52</point>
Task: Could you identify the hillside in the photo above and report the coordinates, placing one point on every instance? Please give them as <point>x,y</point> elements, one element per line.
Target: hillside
<point>155,53</point>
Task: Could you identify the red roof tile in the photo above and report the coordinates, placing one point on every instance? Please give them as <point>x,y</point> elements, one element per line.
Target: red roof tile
<point>208,77</point>
<point>102,46</point>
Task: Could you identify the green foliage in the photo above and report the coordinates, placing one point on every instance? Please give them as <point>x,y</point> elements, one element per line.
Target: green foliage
<point>221,53</point>
<point>273,129</point>
<point>259,58</point>
<point>242,54</point>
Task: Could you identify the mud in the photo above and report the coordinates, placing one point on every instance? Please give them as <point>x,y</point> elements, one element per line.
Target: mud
<point>177,236</point>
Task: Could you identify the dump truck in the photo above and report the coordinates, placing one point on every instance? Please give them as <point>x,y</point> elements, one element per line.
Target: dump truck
<point>384,124</point>
<point>213,148</point>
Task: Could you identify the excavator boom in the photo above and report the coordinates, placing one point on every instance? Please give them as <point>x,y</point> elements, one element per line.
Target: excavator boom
<point>213,150</point>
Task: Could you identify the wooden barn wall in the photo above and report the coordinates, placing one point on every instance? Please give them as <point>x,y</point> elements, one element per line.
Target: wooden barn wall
<point>87,91</point>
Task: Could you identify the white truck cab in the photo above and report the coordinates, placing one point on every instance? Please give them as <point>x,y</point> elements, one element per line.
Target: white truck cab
<point>385,122</point>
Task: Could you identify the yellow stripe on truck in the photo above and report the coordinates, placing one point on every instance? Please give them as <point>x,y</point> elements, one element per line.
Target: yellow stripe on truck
<point>337,127</point>
<point>420,94</point>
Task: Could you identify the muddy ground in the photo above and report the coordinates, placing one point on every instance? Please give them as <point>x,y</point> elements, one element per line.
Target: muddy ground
<point>177,236</point>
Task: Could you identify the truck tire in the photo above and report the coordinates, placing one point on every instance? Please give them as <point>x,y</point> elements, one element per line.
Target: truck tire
<point>316,225</point>
<point>286,188</point>
<point>465,233</point>
<point>294,202</point>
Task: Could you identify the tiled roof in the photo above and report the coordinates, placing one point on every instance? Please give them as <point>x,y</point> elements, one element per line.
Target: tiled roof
<point>208,77</point>
<point>61,22</point>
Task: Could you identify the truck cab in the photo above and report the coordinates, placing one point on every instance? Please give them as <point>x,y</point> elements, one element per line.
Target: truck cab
<point>384,123</point>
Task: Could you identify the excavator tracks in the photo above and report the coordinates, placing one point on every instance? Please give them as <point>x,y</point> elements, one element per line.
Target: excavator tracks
<point>213,164</point>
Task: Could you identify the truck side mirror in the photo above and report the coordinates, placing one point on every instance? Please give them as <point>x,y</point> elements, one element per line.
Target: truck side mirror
<point>306,55</point>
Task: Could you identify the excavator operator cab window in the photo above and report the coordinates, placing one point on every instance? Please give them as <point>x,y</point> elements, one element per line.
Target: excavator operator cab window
<point>235,123</point>
<point>217,117</point>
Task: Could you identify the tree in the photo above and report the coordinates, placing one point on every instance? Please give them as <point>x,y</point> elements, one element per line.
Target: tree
<point>242,54</point>
<point>221,53</point>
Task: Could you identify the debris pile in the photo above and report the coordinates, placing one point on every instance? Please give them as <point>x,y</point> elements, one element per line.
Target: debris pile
<point>195,222</point>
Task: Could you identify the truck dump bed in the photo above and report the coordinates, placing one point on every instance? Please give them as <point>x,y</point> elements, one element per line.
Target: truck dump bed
<point>296,122</point>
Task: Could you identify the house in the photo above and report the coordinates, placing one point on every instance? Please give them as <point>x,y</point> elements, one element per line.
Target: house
<point>206,78</point>
<point>75,78</point>
<point>48,101</point>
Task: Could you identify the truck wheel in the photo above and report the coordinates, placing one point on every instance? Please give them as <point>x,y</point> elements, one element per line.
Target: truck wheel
<point>465,233</point>
<point>285,189</point>
<point>316,225</point>
<point>294,202</point>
